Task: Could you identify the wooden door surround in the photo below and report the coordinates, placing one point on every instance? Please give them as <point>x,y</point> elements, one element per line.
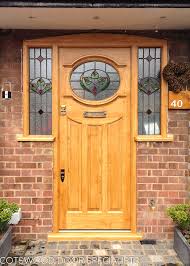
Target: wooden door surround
<point>116,49</point>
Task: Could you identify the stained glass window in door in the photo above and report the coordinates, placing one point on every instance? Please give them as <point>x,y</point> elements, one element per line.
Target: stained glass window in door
<point>95,80</point>
<point>149,62</point>
<point>40,91</point>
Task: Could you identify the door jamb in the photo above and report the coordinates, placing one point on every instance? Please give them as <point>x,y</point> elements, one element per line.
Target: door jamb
<point>91,40</point>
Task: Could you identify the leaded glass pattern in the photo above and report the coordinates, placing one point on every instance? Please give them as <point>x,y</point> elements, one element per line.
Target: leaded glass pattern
<point>94,80</point>
<point>40,91</point>
<point>149,63</point>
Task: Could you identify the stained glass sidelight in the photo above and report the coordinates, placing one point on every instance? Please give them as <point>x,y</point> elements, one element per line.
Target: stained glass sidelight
<point>149,62</point>
<point>94,80</point>
<point>40,91</point>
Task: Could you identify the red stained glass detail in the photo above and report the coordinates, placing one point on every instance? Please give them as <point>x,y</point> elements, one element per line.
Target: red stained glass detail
<point>94,91</point>
<point>40,58</point>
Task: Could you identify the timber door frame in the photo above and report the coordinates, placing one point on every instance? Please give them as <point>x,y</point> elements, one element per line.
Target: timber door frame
<point>99,40</point>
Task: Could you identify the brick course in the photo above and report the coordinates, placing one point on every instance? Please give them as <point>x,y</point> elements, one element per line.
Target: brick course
<point>26,168</point>
<point>162,176</point>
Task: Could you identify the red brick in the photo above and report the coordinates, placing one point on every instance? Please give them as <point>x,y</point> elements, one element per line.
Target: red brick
<point>173,172</point>
<point>7,158</point>
<point>24,151</point>
<point>157,186</point>
<point>28,208</point>
<point>8,150</point>
<point>173,179</point>
<point>42,158</point>
<point>163,179</point>
<point>157,172</point>
<point>26,165</point>
<point>47,222</point>
<point>173,165</point>
<point>26,222</point>
<point>10,165</point>
<point>40,200</point>
<point>48,194</point>
<point>173,194</point>
<point>27,186</point>
<point>26,229</point>
<point>147,179</point>
<point>175,187</point>
<point>183,152</point>
<point>8,194</point>
<point>145,165</point>
<point>11,186</point>
<point>174,151</point>
<point>25,179</point>
<point>9,180</point>
<point>9,172</point>
<point>26,172</point>
<point>142,158</point>
<point>163,165</point>
<point>26,201</point>
<point>142,201</point>
<point>16,200</point>
<point>141,187</point>
<point>41,172</point>
<point>173,158</point>
<point>163,151</point>
<point>25,193</point>
<point>142,172</point>
<point>183,137</point>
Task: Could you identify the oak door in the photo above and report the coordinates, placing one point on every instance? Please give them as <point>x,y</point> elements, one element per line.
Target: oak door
<point>94,135</point>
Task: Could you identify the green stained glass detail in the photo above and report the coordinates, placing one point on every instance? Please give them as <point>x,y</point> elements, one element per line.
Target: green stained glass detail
<point>95,80</point>
<point>149,85</point>
<point>40,85</point>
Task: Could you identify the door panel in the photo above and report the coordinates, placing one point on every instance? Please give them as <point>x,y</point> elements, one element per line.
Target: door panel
<point>95,151</point>
<point>94,167</point>
<point>74,176</point>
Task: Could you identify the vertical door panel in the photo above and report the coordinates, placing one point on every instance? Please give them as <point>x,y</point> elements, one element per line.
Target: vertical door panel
<point>74,142</point>
<point>94,167</point>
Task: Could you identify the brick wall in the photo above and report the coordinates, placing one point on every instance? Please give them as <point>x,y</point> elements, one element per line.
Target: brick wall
<point>162,171</point>
<point>26,168</point>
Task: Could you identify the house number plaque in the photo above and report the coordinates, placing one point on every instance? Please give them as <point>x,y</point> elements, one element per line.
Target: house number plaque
<point>179,100</point>
<point>94,114</point>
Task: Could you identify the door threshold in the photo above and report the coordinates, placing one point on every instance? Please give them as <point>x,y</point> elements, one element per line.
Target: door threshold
<point>94,235</point>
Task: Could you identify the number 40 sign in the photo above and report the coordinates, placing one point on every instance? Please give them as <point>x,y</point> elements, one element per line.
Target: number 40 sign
<point>179,100</point>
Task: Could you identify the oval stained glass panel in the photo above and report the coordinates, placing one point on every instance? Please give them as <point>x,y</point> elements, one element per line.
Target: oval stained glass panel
<point>95,80</point>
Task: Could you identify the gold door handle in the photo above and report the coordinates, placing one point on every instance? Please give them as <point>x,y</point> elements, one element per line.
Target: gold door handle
<point>63,109</point>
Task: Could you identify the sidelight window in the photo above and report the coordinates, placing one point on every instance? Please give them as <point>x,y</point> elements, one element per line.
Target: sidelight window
<point>149,94</point>
<point>40,91</point>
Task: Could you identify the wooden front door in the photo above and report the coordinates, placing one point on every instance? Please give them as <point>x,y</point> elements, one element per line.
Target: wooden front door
<point>94,136</point>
